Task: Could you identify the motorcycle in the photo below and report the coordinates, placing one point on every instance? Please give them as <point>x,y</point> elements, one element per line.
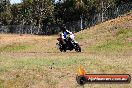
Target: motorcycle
<point>67,44</point>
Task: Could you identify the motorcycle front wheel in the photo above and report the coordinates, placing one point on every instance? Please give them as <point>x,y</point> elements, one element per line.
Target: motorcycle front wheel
<point>77,48</point>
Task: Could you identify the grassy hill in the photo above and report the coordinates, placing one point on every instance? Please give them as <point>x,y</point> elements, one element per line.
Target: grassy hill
<point>114,35</point>
<point>30,61</point>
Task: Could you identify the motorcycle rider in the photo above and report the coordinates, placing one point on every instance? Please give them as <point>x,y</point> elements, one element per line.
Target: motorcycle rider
<point>67,36</point>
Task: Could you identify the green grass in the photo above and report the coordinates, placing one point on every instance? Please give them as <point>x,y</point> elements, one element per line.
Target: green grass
<point>25,71</point>
<point>117,43</point>
<point>28,63</point>
<point>14,48</point>
<point>1,83</point>
<point>124,33</point>
<point>111,46</point>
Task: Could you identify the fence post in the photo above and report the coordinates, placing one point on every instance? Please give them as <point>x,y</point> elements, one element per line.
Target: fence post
<point>102,4</point>
<point>117,11</point>
<point>31,28</point>
<point>81,23</point>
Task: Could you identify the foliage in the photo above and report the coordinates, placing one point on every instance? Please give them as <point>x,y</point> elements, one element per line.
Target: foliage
<point>49,12</point>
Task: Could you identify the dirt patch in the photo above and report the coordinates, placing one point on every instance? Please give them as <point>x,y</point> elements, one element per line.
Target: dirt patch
<point>129,40</point>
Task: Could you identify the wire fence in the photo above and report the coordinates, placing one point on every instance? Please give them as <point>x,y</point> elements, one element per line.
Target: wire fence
<point>109,13</point>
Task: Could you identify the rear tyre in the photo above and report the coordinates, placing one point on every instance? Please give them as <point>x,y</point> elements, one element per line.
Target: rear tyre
<point>63,48</point>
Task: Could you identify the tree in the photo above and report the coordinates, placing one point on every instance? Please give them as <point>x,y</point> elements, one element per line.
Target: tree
<point>42,10</point>
<point>5,14</point>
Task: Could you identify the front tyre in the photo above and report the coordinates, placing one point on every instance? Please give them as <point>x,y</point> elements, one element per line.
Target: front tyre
<point>77,48</point>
